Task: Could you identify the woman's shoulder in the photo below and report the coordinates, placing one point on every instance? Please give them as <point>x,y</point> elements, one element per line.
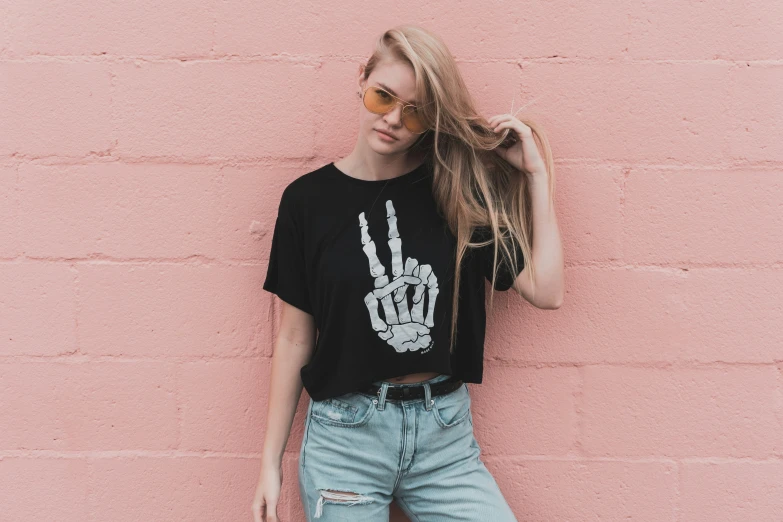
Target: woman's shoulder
<point>306,186</point>
<point>309,180</point>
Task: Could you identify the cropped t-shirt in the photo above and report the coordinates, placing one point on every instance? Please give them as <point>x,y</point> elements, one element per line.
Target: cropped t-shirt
<point>373,262</point>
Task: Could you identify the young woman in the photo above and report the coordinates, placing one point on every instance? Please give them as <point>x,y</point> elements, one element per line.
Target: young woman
<point>385,254</point>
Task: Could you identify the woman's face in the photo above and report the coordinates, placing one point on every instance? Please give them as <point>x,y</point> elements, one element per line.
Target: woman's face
<point>398,79</point>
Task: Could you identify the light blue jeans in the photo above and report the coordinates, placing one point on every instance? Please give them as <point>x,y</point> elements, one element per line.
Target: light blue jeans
<point>359,452</point>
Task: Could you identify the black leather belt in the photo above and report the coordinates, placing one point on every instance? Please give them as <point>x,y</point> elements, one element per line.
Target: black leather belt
<point>400,393</point>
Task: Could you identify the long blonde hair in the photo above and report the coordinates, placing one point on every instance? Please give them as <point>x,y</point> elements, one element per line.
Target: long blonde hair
<point>472,186</point>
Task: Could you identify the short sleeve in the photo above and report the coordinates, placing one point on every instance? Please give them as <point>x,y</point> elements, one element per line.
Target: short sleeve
<point>505,275</point>
<point>286,275</point>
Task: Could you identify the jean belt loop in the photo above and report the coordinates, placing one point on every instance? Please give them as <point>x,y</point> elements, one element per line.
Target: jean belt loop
<point>427,397</point>
<point>382,395</point>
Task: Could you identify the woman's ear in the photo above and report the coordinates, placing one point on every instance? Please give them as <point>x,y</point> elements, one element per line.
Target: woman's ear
<point>360,78</point>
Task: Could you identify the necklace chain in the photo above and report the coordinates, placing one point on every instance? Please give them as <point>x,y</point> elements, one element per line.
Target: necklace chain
<point>376,197</point>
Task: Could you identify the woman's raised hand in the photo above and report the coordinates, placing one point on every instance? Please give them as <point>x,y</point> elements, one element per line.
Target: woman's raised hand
<point>522,154</point>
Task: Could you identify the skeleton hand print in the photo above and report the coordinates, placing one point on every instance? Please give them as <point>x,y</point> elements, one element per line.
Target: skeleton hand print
<point>402,329</point>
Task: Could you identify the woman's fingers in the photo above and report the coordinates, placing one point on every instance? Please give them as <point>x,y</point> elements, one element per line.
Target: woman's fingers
<point>270,512</point>
<point>497,118</point>
<point>257,508</point>
<point>265,511</point>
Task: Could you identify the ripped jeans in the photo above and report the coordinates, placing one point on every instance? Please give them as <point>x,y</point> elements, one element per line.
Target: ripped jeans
<point>359,452</point>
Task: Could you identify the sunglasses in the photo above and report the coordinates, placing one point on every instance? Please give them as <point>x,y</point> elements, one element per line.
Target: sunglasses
<point>380,101</point>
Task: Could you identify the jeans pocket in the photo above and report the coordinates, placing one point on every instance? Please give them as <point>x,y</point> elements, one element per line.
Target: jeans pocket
<point>452,408</point>
<point>350,410</point>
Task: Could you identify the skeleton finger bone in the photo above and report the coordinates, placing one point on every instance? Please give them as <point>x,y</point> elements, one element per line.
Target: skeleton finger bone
<point>395,243</point>
<point>377,270</point>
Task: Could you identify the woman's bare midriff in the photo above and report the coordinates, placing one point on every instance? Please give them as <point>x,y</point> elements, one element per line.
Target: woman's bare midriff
<point>413,377</point>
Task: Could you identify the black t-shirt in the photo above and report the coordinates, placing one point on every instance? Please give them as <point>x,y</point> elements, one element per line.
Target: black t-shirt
<point>373,262</point>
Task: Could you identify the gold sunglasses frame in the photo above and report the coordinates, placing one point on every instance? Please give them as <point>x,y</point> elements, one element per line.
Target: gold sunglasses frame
<point>397,101</point>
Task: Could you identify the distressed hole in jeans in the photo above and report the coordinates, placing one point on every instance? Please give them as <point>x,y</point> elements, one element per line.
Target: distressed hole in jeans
<point>348,498</point>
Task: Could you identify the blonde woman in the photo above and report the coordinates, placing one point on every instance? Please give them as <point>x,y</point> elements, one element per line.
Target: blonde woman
<point>384,255</point>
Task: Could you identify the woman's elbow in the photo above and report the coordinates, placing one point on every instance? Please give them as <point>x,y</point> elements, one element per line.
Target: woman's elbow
<point>551,302</point>
<point>557,303</point>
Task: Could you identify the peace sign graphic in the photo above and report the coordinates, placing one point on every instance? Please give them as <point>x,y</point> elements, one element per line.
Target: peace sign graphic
<point>402,329</point>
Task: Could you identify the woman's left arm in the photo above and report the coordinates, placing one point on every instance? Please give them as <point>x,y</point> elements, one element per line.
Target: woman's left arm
<point>547,289</point>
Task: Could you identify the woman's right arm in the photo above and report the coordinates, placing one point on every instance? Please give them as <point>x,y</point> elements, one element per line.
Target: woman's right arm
<point>293,349</point>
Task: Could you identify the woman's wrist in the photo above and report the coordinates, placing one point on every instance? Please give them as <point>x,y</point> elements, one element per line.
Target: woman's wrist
<point>274,459</point>
<point>538,176</point>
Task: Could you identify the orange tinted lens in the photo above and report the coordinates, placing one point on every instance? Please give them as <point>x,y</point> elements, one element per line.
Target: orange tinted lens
<point>413,120</point>
<point>378,101</point>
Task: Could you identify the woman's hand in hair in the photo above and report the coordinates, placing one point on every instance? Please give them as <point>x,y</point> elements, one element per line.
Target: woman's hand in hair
<point>519,148</point>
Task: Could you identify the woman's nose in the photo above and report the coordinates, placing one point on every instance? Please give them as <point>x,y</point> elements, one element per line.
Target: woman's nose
<point>394,116</point>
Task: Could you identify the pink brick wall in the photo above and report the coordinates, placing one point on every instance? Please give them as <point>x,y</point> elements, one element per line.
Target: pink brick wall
<point>143,149</point>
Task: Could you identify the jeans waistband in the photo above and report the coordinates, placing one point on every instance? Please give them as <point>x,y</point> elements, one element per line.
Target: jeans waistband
<point>437,378</point>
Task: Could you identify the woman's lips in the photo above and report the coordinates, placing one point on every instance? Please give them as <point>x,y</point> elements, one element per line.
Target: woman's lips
<point>384,134</point>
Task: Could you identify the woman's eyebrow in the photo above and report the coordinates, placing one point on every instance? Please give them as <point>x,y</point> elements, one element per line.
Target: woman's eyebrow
<point>414,102</point>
